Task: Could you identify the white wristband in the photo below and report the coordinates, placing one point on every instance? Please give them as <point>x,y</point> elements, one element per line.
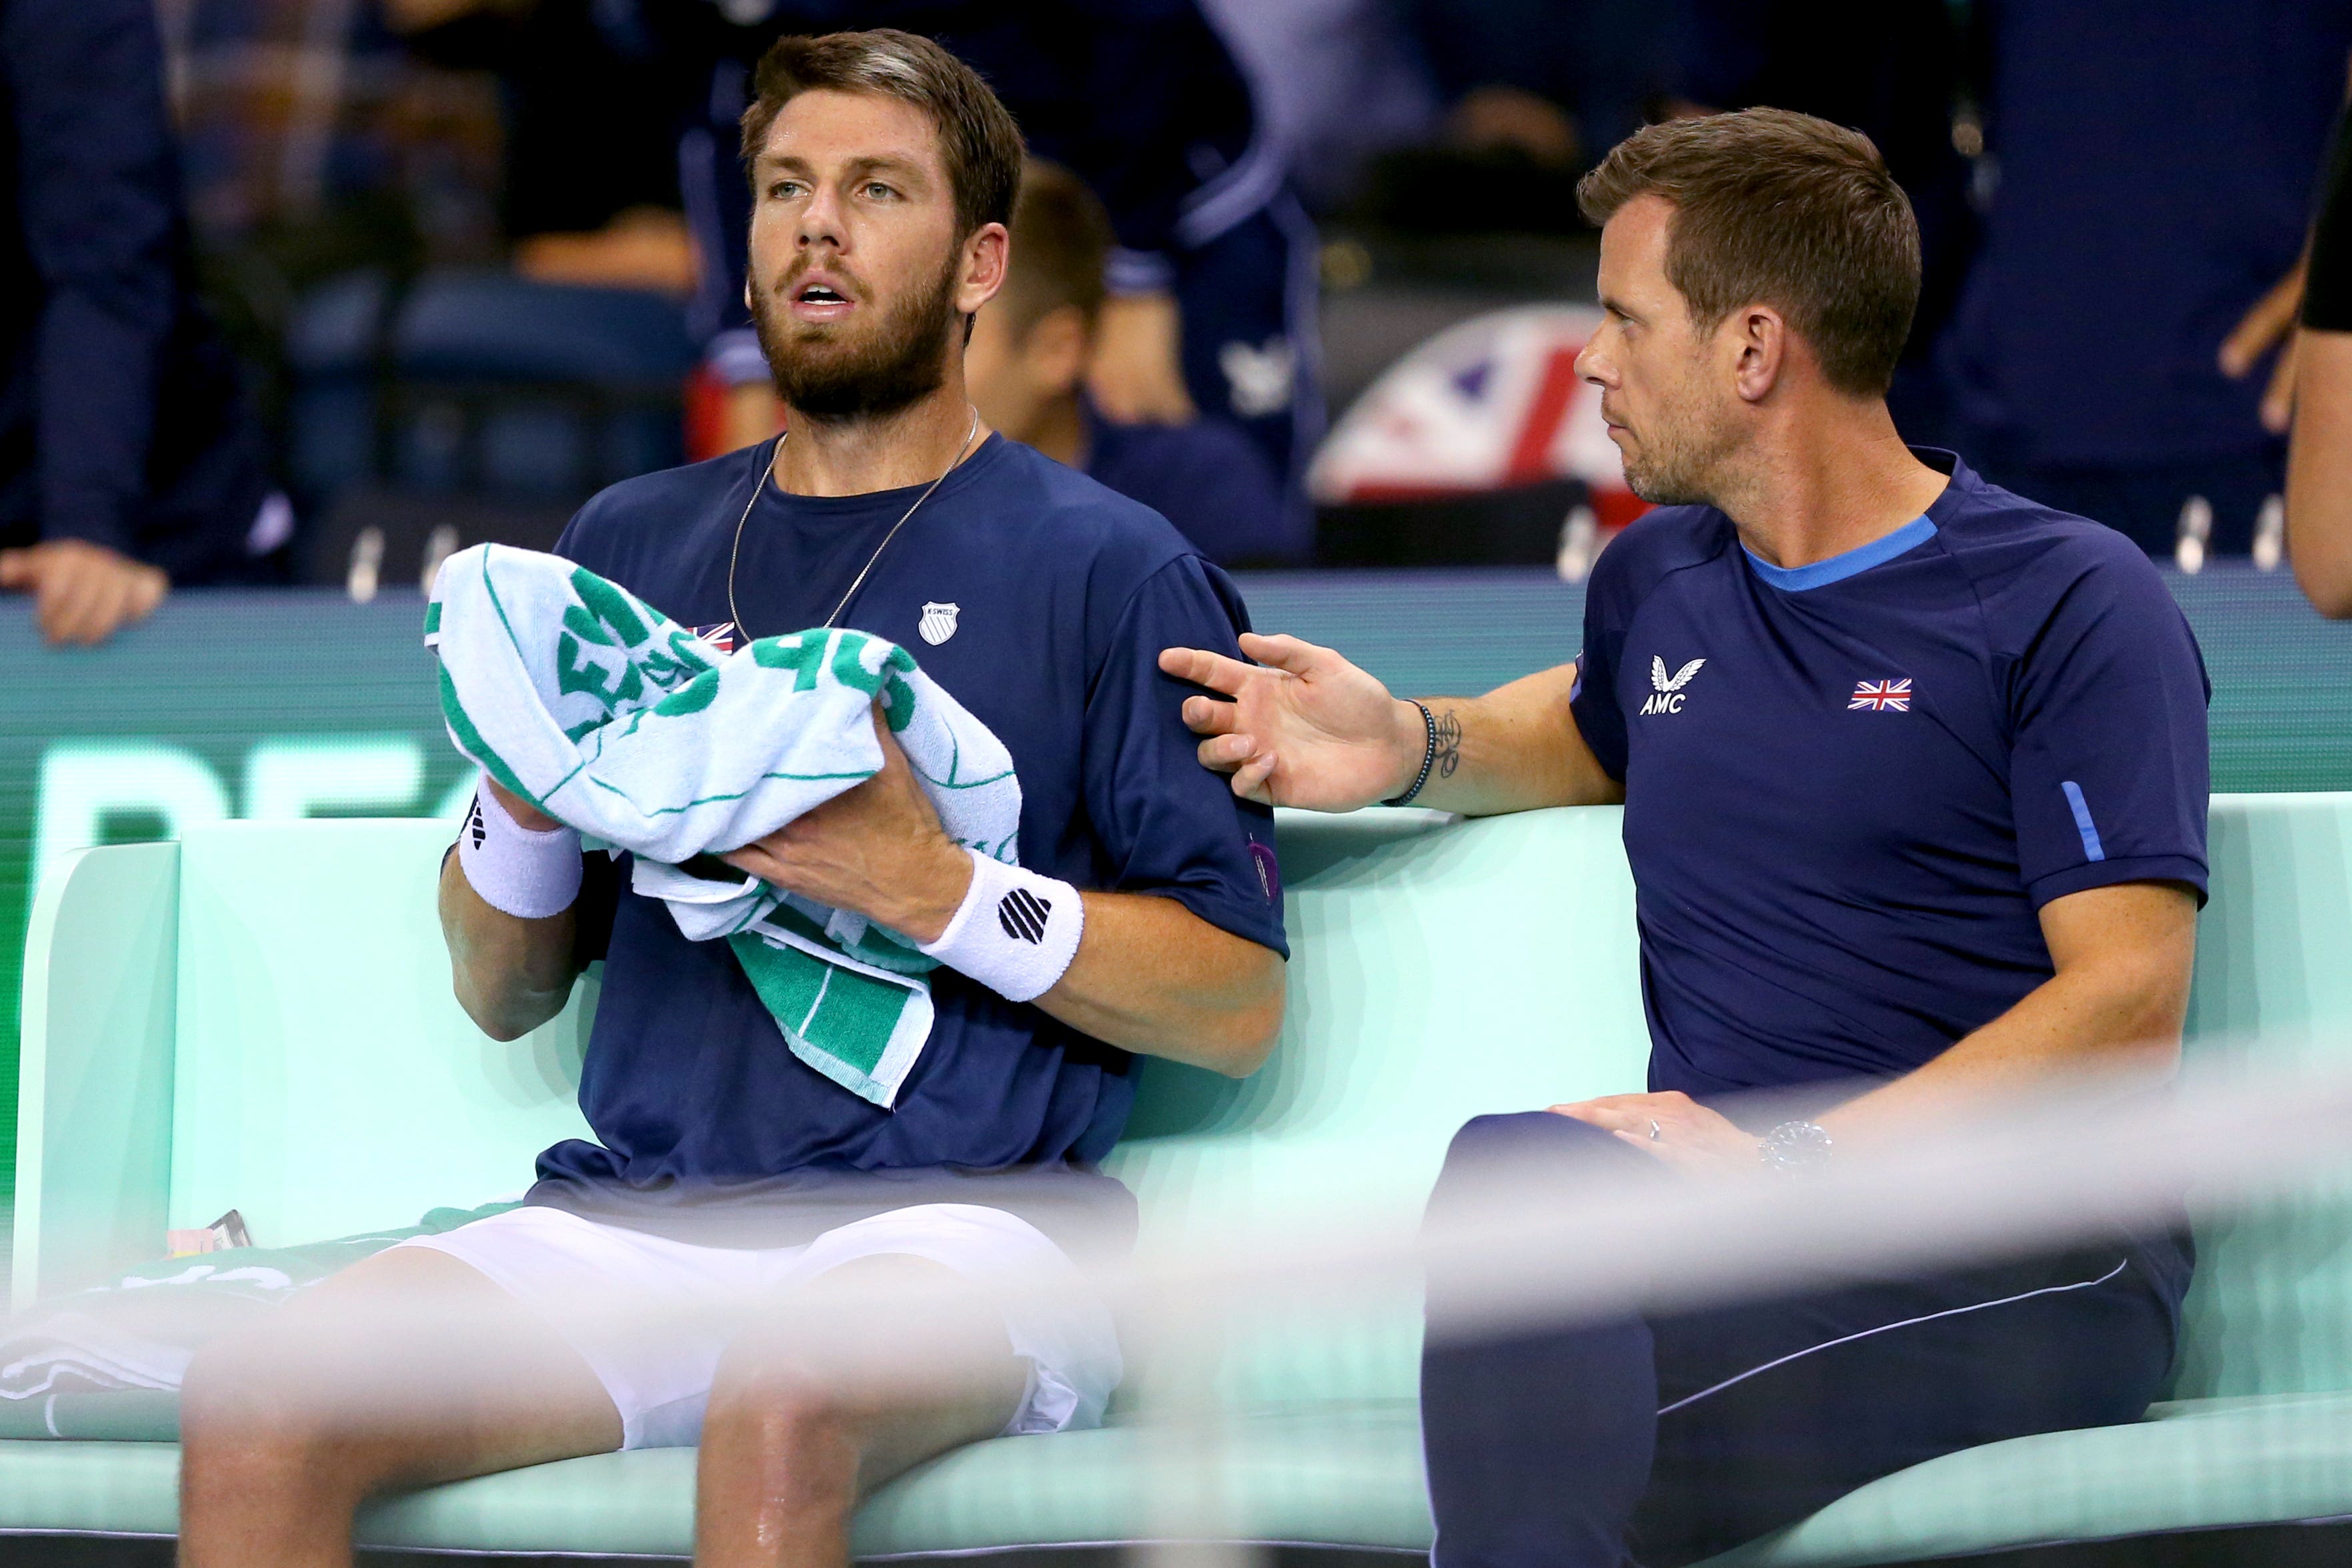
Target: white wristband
<point>1015,930</point>
<point>529,874</point>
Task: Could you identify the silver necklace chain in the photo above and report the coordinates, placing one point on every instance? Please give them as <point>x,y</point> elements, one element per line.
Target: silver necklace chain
<point>767,476</point>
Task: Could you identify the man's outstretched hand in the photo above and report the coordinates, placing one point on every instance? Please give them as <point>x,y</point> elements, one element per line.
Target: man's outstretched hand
<point>1305,727</point>
<point>82,593</point>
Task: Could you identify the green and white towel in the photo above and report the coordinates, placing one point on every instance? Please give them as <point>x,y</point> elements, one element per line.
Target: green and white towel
<point>610,718</point>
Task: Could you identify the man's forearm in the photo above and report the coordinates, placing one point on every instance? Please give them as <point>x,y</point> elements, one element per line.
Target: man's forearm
<point>2319,472</point>
<point>1151,976</point>
<point>511,974</point>
<point>2117,1009</point>
<point>1516,749</point>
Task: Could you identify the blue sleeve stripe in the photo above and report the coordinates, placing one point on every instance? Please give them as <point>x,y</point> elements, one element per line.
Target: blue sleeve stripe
<point>2082,823</point>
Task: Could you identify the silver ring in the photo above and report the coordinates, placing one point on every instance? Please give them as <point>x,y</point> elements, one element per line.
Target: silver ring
<point>1654,1130</point>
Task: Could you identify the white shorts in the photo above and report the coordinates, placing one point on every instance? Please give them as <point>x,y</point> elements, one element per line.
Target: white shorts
<point>556,1264</point>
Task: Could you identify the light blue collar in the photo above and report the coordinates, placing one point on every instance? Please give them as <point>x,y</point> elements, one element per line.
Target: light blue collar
<point>1838,568</point>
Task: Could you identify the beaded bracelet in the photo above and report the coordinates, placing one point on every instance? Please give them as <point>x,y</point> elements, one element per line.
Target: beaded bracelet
<point>1427,757</point>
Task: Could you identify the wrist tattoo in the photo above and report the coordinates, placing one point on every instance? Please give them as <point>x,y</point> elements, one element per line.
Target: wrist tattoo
<point>1449,743</point>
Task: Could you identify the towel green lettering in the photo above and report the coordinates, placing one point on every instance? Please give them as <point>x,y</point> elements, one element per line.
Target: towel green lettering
<point>608,604</point>
<point>573,673</point>
<point>797,653</point>
<point>849,664</point>
<point>691,698</point>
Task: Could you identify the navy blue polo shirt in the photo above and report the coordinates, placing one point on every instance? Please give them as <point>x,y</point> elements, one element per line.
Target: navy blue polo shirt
<point>1850,788</point>
<point>1056,596</point>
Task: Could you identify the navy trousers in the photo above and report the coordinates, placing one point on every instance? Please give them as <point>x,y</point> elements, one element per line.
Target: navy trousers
<point>1664,1439</point>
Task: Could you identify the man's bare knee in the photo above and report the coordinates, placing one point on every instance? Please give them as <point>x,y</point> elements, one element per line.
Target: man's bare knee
<point>783,1398</point>
<point>258,1429</point>
<point>888,1360</point>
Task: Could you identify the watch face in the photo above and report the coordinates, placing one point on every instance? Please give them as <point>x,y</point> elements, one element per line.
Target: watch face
<point>1796,1145</point>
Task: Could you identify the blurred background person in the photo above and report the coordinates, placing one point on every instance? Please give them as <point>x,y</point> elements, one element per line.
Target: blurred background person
<point>2148,170</point>
<point>1517,96</point>
<point>1336,83</point>
<point>1892,69</point>
<point>1212,279</point>
<point>2319,452</point>
<point>1027,364</point>
<point>589,193</point>
<point>129,460</point>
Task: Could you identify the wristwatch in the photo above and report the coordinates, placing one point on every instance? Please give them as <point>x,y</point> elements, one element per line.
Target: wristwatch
<point>1796,1145</point>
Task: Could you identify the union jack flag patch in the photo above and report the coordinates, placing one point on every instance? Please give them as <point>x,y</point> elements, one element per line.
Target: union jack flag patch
<point>1880,695</point>
<point>721,637</point>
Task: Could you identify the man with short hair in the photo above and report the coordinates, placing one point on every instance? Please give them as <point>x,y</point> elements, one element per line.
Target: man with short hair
<point>670,1281</point>
<point>1914,773</point>
<point>1027,367</point>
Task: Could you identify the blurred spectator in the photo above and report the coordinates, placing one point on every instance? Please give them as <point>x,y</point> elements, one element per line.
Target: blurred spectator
<point>1212,280</point>
<point>1337,82</point>
<point>1891,70</point>
<point>590,192</point>
<point>1026,369</point>
<point>315,146</point>
<point>314,139</point>
<point>1525,90</point>
<point>128,460</point>
<point>2319,456</point>
<point>2153,165</point>
<point>1542,76</point>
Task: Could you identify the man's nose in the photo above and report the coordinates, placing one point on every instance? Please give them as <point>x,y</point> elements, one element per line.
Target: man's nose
<point>1591,366</point>
<point>820,219</point>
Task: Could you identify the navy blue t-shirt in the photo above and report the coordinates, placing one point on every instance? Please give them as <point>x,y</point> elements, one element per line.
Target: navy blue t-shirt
<point>1851,787</point>
<point>1208,478</point>
<point>1062,595</point>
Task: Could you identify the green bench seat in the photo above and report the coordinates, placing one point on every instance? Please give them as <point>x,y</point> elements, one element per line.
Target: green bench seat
<point>258,1017</point>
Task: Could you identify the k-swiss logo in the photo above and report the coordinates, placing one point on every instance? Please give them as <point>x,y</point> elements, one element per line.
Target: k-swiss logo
<point>1668,696</point>
<point>937,624</point>
<point>1880,696</point>
<point>1023,915</point>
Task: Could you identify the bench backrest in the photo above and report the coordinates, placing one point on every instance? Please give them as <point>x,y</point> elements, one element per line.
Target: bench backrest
<point>259,1017</point>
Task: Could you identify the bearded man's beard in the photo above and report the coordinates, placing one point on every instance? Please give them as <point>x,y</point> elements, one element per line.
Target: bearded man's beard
<point>903,360</point>
<point>1664,477</point>
<point>1677,462</point>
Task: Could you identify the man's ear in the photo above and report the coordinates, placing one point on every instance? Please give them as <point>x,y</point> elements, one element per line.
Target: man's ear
<point>1057,349</point>
<point>986,255</point>
<point>1761,341</point>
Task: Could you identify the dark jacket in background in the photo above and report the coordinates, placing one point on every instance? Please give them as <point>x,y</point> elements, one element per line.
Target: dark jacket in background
<point>122,418</point>
<point>2155,166</point>
<point>1889,68</point>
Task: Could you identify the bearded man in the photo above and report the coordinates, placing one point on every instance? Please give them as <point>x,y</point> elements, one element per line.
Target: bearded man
<point>663,1285</point>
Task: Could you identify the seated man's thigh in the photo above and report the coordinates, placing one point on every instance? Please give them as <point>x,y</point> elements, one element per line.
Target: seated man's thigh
<point>1771,1410</point>
<point>413,1367</point>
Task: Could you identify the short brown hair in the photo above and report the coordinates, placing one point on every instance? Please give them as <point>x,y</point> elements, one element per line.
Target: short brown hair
<point>1060,237</point>
<point>978,140</point>
<point>1785,210</point>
